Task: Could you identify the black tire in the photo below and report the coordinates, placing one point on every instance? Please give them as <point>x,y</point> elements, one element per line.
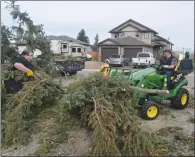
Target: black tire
<point>72,73</point>
<point>148,65</point>
<point>148,107</point>
<point>123,64</point>
<point>62,73</point>
<point>177,101</point>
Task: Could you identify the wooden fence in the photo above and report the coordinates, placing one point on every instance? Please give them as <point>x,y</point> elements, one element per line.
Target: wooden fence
<point>95,55</point>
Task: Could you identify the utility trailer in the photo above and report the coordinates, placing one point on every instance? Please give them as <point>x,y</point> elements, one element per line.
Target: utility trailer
<point>68,67</point>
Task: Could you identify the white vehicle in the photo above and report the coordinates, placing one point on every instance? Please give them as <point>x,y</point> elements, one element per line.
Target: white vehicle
<point>143,59</point>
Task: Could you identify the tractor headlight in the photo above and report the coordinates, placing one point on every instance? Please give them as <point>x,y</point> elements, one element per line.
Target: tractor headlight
<point>165,79</point>
<point>142,85</point>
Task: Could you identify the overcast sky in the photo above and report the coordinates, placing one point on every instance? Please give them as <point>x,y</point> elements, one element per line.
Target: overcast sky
<point>174,20</point>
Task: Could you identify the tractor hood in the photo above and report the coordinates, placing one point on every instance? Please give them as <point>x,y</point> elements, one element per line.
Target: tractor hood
<point>133,77</point>
<point>137,75</point>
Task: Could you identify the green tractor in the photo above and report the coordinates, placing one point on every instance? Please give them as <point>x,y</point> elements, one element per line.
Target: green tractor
<point>150,87</point>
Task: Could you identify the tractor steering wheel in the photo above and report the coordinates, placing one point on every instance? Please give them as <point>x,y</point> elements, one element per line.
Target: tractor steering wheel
<point>159,68</point>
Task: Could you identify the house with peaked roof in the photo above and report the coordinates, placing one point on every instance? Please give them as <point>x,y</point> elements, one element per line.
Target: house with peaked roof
<point>132,37</point>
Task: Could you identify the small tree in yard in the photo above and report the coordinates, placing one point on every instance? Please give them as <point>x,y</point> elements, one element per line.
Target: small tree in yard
<point>82,36</point>
<point>26,31</point>
<point>96,39</point>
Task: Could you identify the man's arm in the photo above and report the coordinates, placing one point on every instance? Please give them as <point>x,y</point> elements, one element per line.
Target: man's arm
<point>21,67</point>
<point>173,64</point>
<point>169,66</point>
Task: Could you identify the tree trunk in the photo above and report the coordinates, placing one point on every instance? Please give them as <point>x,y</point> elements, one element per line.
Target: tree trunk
<point>151,91</point>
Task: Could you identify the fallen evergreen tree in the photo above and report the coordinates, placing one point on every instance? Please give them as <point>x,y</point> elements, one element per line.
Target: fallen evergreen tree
<point>19,109</point>
<point>102,105</point>
<point>105,106</point>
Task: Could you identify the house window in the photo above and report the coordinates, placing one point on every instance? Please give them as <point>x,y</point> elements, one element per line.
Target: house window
<point>79,50</point>
<point>146,35</point>
<point>64,46</point>
<point>122,34</point>
<point>73,49</point>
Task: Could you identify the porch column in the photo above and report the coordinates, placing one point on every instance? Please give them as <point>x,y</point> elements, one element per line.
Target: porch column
<point>99,55</point>
<point>119,50</point>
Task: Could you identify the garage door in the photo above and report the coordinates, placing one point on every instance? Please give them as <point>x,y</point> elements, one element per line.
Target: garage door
<point>131,52</point>
<point>107,52</point>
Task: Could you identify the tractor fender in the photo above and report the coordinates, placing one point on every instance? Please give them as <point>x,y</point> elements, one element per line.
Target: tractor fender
<point>179,86</point>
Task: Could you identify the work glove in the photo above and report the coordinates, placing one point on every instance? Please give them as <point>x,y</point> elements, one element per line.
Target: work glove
<point>30,73</point>
<point>165,66</point>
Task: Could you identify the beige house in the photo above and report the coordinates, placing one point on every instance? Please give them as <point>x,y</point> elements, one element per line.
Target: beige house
<point>131,37</point>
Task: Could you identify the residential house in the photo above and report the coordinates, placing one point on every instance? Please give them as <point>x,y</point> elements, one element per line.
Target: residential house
<point>132,37</point>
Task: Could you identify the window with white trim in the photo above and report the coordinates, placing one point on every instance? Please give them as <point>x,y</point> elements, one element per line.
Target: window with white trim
<point>73,49</point>
<point>146,35</point>
<point>79,50</point>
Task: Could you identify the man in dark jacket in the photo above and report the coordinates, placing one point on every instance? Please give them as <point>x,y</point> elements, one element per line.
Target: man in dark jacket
<point>23,64</point>
<point>169,64</point>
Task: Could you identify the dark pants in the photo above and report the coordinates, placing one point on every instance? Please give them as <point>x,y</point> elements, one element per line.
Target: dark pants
<point>12,86</point>
<point>169,75</point>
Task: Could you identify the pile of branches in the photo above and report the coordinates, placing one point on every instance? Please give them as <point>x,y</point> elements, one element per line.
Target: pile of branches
<point>102,105</point>
<point>105,106</point>
<point>19,109</point>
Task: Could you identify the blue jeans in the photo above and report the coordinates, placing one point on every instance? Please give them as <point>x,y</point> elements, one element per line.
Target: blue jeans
<point>169,75</point>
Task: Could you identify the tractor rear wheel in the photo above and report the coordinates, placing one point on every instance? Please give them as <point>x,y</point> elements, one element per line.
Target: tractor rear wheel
<point>150,110</point>
<point>181,100</point>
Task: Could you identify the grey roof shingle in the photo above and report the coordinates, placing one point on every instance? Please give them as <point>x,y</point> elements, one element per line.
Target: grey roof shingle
<point>163,39</point>
<point>157,43</point>
<point>127,41</point>
<point>65,38</point>
<point>131,20</point>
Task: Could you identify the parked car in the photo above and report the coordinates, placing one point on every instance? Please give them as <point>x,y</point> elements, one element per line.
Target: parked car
<point>119,60</point>
<point>143,59</point>
<point>89,57</point>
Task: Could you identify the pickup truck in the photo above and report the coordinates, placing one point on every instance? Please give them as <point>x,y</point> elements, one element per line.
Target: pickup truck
<point>143,59</point>
<point>120,60</point>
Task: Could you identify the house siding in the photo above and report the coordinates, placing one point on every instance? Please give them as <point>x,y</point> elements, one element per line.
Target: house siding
<point>147,49</point>
<point>113,35</point>
<point>132,32</point>
<point>21,48</point>
<point>146,40</point>
<point>108,43</point>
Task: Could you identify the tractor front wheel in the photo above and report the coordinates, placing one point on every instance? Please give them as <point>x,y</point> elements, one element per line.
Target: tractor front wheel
<point>150,110</point>
<point>181,100</point>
